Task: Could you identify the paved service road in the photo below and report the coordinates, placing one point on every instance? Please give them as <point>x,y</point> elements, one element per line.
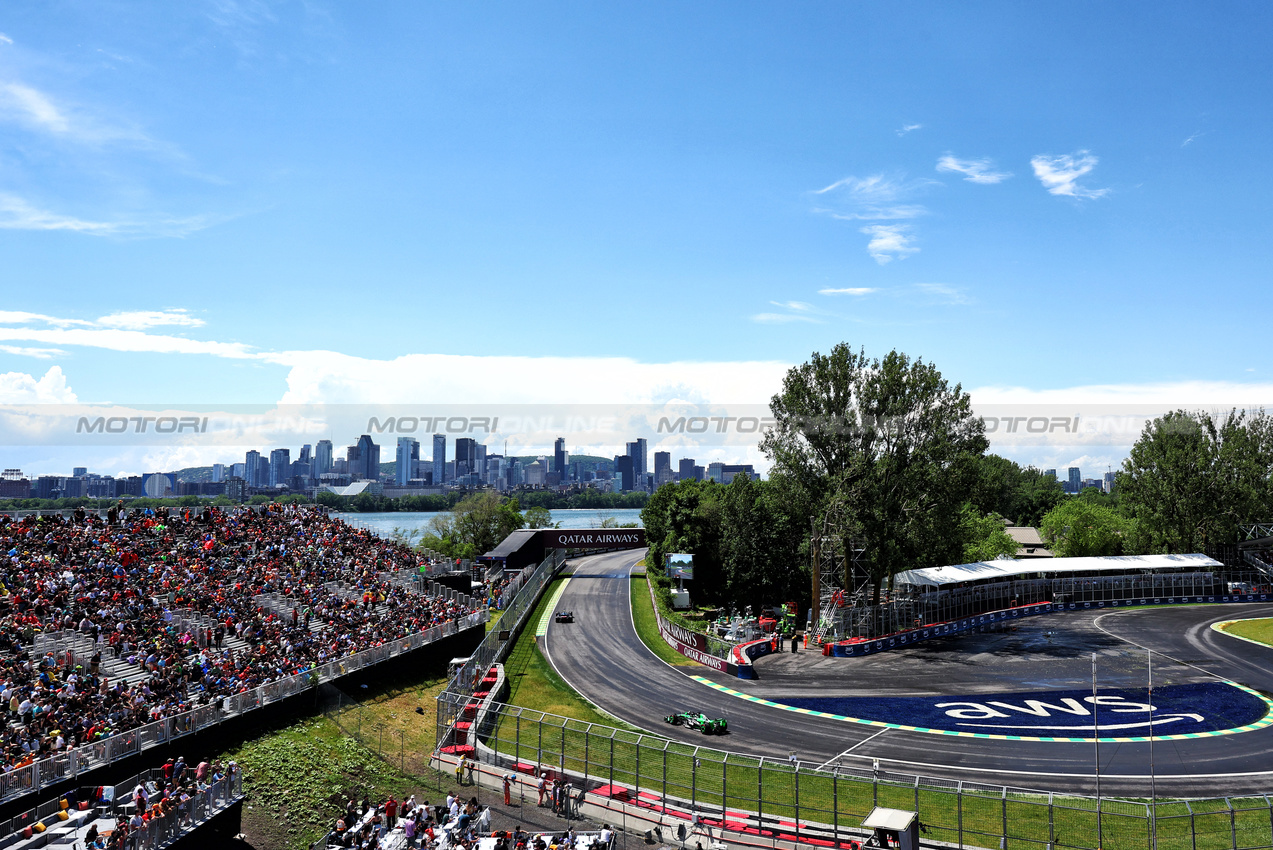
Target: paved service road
<point>601,656</point>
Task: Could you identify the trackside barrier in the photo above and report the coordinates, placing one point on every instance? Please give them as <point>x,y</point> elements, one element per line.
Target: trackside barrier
<point>858,647</point>
<point>41,774</point>
<point>624,776</point>
<point>696,646</point>
<point>521,595</point>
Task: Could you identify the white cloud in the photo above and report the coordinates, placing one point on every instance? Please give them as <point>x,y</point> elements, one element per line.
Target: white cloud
<point>32,107</point>
<point>125,340</point>
<point>975,170</point>
<point>318,377</point>
<point>783,318</point>
<point>889,241</point>
<point>21,388</point>
<point>1166,394</point>
<point>18,214</point>
<point>1060,174</point>
<point>142,319</point>
<point>18,317</point>
<point>848,290</point>
<point>4,39</point>
<point>1189,140</point>
<point>909,128</point>
<point>38,353</point>
<point>944,293</point>
<point>873,197</point>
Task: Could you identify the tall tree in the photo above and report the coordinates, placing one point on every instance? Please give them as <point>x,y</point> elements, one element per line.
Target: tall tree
<point>1193,479</point>
<point>1079,528</point>
<point>891,440</point>
<point>760,546</point>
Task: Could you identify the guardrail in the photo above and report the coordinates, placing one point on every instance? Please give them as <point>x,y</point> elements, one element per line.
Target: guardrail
<point>69,764</point>
<point>523,592</point>
<point>758,799</point>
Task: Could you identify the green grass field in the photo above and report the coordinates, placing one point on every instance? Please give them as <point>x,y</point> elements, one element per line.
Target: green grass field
<point>1258,630</point>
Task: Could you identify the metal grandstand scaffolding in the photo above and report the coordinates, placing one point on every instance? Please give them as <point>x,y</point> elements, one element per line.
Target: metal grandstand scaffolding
<point>1255,547</point>
<point>840,585</point>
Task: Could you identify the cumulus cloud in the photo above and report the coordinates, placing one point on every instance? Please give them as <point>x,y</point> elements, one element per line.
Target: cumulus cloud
<point>1060,174</point>
<point>889,241</point>
<point>974,170</point>
<point>21,388</point>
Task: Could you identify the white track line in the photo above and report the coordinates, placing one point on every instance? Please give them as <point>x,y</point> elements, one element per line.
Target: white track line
<point>852,748</point>
<point>1159,776</point>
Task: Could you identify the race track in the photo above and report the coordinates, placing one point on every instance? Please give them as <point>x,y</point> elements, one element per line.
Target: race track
<point>602,657</point>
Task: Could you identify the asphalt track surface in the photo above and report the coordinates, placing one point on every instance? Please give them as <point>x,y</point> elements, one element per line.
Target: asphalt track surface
<point>601,656</point>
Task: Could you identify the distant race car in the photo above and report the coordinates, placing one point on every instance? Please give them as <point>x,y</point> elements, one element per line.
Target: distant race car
<point>564,617</point>
<point>698,720</point>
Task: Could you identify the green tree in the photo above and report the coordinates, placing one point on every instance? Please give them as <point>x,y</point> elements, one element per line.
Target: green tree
<point>1078,528</point>
<point>1193,479</point>
<point>889,443</point>
<point>760,546</point>
<point>539,517</point>
<point>983,535</point>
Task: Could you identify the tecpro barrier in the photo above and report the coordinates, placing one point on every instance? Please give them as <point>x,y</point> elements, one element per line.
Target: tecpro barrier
<point>859,647</point>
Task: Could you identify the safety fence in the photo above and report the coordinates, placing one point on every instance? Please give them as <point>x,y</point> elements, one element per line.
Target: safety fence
<point>201,806</point>
<point>786,799</point>
<point>522,594</point>
<point>70,763</point>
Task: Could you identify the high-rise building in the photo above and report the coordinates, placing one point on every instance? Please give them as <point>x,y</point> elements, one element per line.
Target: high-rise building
<point>716,472</point>
<point>364,459</point>
<point>280,466</point>
<point>481,459</point>
<point>1109,482</point>
<point>238,470</point>
<point>252,471</point>
<point>218,472</point>
<point>662,461</point>
<point>1076,480</point>
<point>559,457</point>
<point>623,471</point>
<point>79,472</point>
<point>1051,472</point>
<point>322,458</point>
<point>439,460</point>
<point>407,458</point>
<point>465,456</point>
<point>686,470</point>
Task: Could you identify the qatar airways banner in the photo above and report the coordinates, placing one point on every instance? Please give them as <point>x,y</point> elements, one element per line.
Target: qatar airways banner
<point>593,538</point>
<point>693,646</point>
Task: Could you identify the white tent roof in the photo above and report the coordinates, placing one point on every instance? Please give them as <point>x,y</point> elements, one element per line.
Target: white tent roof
<point>1007,568</point>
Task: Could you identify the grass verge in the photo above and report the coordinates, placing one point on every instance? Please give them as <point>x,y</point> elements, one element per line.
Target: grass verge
<point>647,626</point>
<point>1260,630</point>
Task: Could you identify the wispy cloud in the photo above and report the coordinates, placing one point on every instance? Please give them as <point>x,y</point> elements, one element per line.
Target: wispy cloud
<point>889,242</point>
<point>909,128</point>
<point>140,320</point>
<point>943,293</point>
<point>1060,174</point>
<point>794,311</point>
<point>974,170</point>
<point>848,290</point>
<point>122,331</point>
<point>4,39</point>
<point>18,214</point>
<point>29,106</point>
<point>1187,142</point>
<point>38,353</point>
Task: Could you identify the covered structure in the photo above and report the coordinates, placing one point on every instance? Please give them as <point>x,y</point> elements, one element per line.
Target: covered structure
<point>527,547</point>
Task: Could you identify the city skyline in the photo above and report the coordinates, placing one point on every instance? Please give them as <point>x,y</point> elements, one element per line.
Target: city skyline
<point>787,184</point>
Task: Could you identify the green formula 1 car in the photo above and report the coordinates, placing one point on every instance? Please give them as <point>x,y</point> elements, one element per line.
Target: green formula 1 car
<point>698,720</point>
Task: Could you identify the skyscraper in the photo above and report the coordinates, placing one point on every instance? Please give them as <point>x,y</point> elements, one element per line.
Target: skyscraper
<point>280,466</point>
<point>1076,480</point>
<point>641,460</point>
<point>465,456</point>
<point>686,470</point>
<point>407,458</point>
<point>559,458</point>
<point>439,460</point>
<point>369,454</point>
<point>662,461</point>
<point>481,459</point>
<point>623,471</point>
<point>322,458</point>
<point>218,472</point>
<point>252,468</point>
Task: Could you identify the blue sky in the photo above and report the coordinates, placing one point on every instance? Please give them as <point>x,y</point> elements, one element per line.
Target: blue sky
<point>253,202</point>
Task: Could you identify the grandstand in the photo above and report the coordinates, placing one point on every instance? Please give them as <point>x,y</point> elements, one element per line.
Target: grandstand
<point>934,595</point>
<point>118,636</point>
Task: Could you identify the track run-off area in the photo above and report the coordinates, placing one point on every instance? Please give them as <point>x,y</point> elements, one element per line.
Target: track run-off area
<point>1010,708</point>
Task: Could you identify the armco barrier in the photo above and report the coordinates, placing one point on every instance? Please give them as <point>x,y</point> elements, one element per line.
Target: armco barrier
<point>860,647</point>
